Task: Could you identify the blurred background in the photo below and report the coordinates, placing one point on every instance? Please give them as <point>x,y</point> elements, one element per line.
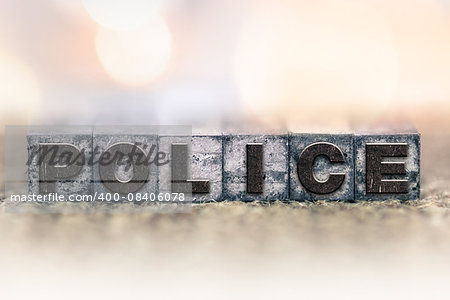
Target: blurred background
<point>204,61</point>
<point>197,62</point>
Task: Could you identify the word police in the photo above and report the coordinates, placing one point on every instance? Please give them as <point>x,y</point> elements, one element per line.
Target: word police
<point>293,166</point>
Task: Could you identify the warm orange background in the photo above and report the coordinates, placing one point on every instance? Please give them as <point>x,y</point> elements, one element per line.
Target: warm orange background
<point>178,61</point>
<point>283,62</point>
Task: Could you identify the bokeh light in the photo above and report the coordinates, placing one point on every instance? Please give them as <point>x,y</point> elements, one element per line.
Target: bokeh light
<point>122,14</point>
<point>422,39</point>
<point>135,57</point>
<point>309,59</point>
<point>19,92</point>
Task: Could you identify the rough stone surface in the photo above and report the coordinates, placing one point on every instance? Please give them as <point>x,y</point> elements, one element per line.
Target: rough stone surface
<point>205,163</point>
<point>80,137</point>
<point>322,167</point>
<point>275,167</point>
<point>104,137</point>
<point>412,165</point>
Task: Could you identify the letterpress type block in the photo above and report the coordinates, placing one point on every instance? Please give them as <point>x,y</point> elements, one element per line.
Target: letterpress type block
<point>321,166</point>
<point>125,160</point>
<point>58,160</point>
<point>255,166</point>
<point>195,165</point>
<point>387,166</point>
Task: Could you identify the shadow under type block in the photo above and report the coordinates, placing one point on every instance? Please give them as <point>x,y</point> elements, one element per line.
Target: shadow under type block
<point>387,166</point>
<point>195,166</point>
<point>57,160</point>
<point>255,166</point>
<point>321,166</point>
<point>113,172</point>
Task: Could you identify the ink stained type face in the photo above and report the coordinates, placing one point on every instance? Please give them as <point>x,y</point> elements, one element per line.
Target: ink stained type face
<point>230,167</point>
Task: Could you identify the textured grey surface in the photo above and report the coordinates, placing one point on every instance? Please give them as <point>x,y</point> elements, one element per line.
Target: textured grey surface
<point>104,137</point>
<point>80,137</point>
<point>412,165</point>
<point>275,167</point>
<point>322,167</point>
<point>264,250</point>
<point>205,163</point>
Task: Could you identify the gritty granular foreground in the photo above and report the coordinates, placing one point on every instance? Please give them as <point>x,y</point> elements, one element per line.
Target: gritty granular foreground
<point>369,250</point>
